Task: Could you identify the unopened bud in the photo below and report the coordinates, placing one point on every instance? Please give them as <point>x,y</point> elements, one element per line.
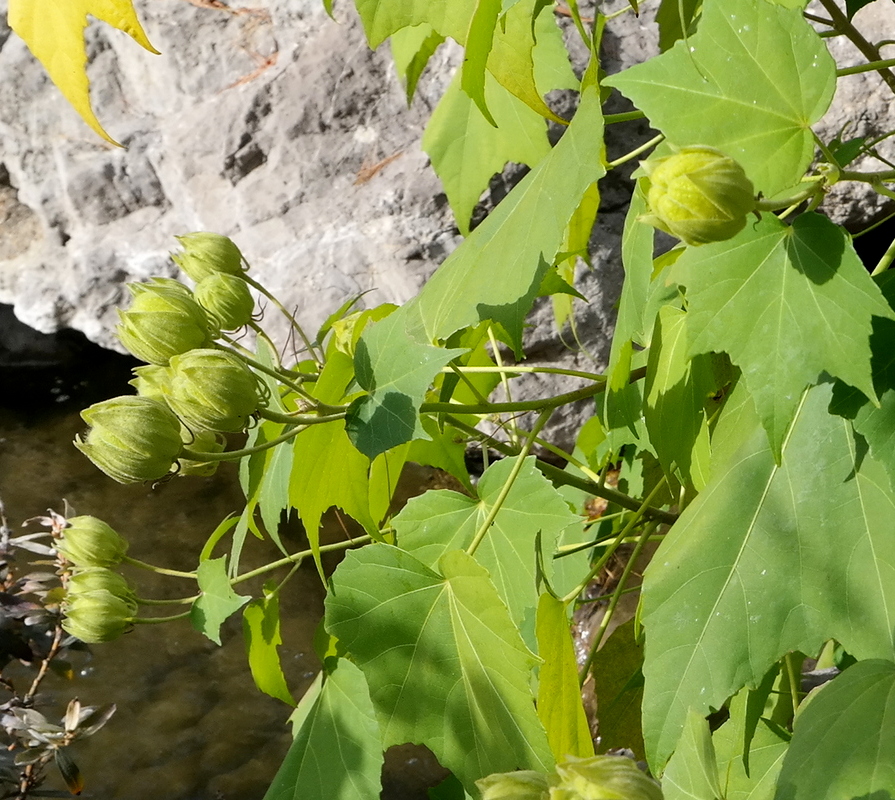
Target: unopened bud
<point>603,778</point>
<point>90,542</point>
<point>202,442</point>
<point>212,389</point>
<point>101,579</point>
<point>163,321</point>
<point>131,439</point>
<point>519,785</point>
<point>97,615</point>
<point>698,194</point>
<point>227,298</point>
<point>151,381</point>
<point>206,253</point>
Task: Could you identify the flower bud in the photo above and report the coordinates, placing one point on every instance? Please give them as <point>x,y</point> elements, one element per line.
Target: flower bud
<point>98,579</point>
<point>603,778</point>
<point>227,298</point>
<point>90,542</point>
<point>520,785</point>
<point>203,442</point>
<point>131,439</point>
<point>97,615</point>
<point>698,195</point>
<point>206,253</point>
<point>163,321</point>
<point>151,381</point>
<point>212,389</point>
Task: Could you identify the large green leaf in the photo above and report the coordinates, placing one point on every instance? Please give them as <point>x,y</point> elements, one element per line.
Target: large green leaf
<point>692,773</point>
<point>768,559</point>
<point>445,664</point>
<point>750,82</point>
<point>382,18</point>
<point>786,303</point>
<point>495,274</point>
<point>843,745</point>
<point>336,753</point>
<point>438,521</point>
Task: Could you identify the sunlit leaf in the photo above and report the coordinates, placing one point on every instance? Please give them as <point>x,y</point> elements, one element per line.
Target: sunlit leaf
<point>692,773</point>
<point>751,82</point>
<point>843,744</point>
<point>720,609</point>
<point>54,33</point>
<point>444,662</point>
<point>770,297</point>
<point>336,753</point>
<point>217,600</point>
<point>261,629</point>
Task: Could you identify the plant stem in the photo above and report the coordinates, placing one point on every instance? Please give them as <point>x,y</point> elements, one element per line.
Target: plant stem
<point>266,370</point>
<point>159,620</point>
<point>511,370</point>
<point>233,455</point>
<point>886,261</point>
<point>873,66</point>
<point>508,484</point>
<point>626,116</point>
<point>292,321</point>
<point>174,573</point>
<point>795,685</point>
<point>295,557</point>
<point>303,419</point>
<point>871,53</point>
<point>636,151</point>
<point>616,596</point>
<point>180,601</point>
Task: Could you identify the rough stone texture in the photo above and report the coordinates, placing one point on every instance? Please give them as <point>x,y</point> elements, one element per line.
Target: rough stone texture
<point>269,122</point>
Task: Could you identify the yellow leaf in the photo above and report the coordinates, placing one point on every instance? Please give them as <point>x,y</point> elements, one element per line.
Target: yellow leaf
<point>54,33</point>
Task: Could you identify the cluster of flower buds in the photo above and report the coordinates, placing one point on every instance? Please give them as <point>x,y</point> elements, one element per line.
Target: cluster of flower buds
<point>698,194</point>
<point>597,778</point>
<point>191,390</point>
<point>99,604</point>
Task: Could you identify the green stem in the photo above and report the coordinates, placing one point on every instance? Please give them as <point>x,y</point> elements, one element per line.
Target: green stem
<point>627,116</point>
<point>233,455</point>
<point>616,596</point>
<point>159,620</point>
<point>266,370</point>
<point>871,53</point>
<point>874,66</point>
<point>563,478</point>
<point>508,484</point>
<point>886,261</point>
<point>174,573</point>
<point>296,557</point>
<point>636,152</point>
<point>504,381</point>
<point>788,202</point>
<point>795,685</point>
<point>512,370</point>
<point>303,419</point>
<point>867,177</point>
<point>149,601</point>
<point>292,321</point>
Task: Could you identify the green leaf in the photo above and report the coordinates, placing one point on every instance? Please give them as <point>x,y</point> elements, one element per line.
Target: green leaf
<point>411,50</point>
<point>749,760</point>
<point>768,559</point>
<point>216,600</point>
<point>676,19</point>
<point>692,773</point>
<point>618,684</point>
<point>382,18</point>
<point>445,664</point>
<point>559,696</point>
<point>397,371</point>
<point>439,521</point>
<point>336,752</point>
<point>677,392</point>
<point>466,150</point>
<point>496,272</point>
<point>843,744</point>
<point>261,629</point>
<point>445,449</point>
<point>751,82</point>
<point>478,44</point>
<point>770,297</point>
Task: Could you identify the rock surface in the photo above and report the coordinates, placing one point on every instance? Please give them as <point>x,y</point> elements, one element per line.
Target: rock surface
<point>276,125</point>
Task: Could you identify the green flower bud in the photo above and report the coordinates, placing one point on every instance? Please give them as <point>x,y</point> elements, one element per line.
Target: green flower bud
<point>151,381</point>
<point>97,615</point>
<point>163,321</point>
<point>99,579</point>
<point>603,778</point>
<point>131,439</point>
<point>698,195</point>
<point>520,785</point>
<point>90,542</point>
<point>227,298</point>
<point>212,389</point>
<point>203,442</point>
<point>206,253</point>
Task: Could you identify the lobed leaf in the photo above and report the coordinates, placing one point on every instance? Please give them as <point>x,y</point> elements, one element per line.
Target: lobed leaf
<point>217,600</point>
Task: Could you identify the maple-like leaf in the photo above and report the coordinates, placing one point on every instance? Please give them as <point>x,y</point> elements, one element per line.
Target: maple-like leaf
<point>54,33</point>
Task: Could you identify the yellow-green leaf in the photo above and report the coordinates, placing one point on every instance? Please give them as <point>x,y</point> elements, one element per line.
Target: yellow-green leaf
<point>54,33</point>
